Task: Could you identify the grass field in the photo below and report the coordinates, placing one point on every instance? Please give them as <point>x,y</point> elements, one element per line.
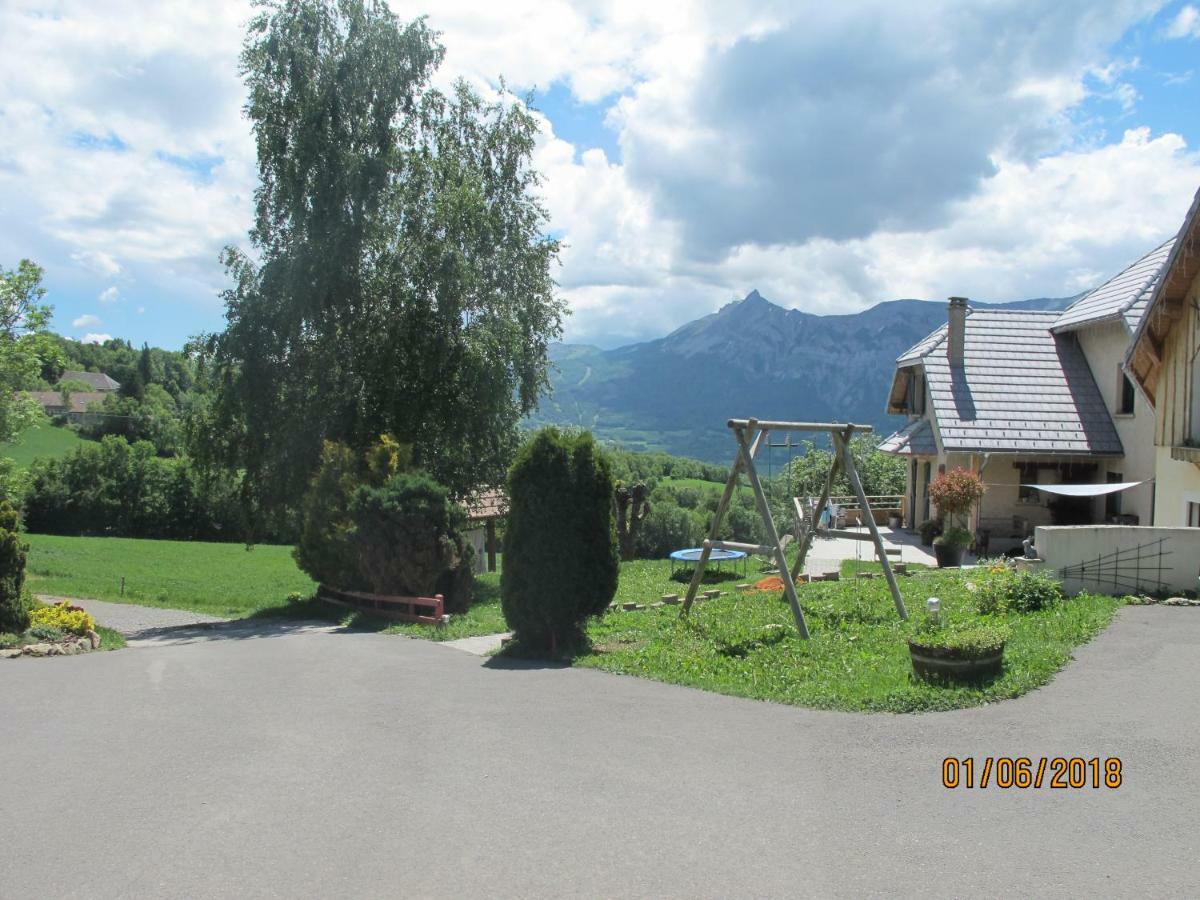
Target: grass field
<point>42,441</point>
<point>219,579</point>
<point>741,644</point>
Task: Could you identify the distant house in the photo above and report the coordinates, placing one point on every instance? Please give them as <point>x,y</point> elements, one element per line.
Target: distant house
<point>1163,361</point>
<point>484,509</point>
<point>1026,397</point>
<point>82,407</point>
<point>98,381</point>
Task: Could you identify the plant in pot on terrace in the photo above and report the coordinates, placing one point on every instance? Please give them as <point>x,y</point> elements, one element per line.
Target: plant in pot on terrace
<point>929,529</point>
<point>954,493</point>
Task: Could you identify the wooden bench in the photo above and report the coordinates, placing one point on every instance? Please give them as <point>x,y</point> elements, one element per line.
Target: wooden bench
<point>426,610</point>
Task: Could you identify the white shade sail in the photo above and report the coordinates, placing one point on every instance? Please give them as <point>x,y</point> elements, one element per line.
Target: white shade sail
<point>1084,490</point>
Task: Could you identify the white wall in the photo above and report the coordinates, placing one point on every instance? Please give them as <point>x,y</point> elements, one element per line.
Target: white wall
<point>1178,484</point>
<point>1104,347</point>
<point>477,538</point>
<point>1121,559</point>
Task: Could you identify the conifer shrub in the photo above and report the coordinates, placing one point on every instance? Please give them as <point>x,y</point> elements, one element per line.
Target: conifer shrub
<point>408,540</point>
<point>561,560</point>
<point>370,522</point>
<point>15,602</point>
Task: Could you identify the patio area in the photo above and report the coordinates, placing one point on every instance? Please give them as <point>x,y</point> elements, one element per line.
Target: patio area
<point>828,553</point>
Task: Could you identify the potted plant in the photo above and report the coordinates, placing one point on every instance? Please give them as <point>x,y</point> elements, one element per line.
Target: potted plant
<point>954,493</point>
<point>929,529</point>
<point>970,654</point>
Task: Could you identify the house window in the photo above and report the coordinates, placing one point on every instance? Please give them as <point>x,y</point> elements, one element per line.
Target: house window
<point>916,393</point>
<point>1193,514</point>
<point>1125,395</point>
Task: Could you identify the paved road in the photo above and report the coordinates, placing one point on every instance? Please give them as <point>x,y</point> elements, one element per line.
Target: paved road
<point>297,763</point>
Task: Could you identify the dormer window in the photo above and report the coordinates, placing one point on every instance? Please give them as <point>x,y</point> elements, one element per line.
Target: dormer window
<point>1125,394</point>
<point>915,401</point>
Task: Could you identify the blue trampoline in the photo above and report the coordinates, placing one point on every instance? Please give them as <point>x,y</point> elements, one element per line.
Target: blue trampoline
<point>692,554</point>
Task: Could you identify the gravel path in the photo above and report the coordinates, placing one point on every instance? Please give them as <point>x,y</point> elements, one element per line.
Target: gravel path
<point>130,620</point>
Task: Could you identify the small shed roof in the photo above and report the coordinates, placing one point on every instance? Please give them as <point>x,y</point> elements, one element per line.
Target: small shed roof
<point>914,439</point>
<point>486,504</point>
<point>1021,388</point>
<point>1122,298</point>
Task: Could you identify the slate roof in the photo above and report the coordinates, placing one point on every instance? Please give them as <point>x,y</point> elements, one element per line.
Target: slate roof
<point>1122,297</point>
<point>98,380</point>
<point>914,439</point>
<point>1021,389</point>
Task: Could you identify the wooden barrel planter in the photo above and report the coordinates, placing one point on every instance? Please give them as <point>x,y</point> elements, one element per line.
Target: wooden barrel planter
<point>942,664</point>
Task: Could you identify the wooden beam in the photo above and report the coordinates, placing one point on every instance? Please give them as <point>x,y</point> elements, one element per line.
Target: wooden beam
<point>758,549</point>
<point>764,510</point>
<point>852,535</point>
<point>491,545</point>
<point>796,426</point>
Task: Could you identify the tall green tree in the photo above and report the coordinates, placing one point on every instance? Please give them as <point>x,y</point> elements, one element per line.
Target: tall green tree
<point>400,280</point>
<point>24,346</point>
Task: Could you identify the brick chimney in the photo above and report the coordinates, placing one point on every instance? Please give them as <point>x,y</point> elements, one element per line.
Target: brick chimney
<point>957,333</point>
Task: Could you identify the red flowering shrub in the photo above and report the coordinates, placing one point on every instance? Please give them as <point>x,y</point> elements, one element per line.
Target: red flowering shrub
<point>955,492</point>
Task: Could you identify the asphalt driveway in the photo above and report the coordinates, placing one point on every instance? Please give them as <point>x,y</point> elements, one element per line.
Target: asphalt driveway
<point>288,761</point>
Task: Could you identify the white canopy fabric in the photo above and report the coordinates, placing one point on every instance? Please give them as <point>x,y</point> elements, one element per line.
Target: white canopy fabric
<point>1084,490</point>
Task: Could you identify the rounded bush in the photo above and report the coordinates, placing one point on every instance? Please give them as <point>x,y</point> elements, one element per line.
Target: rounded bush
<point>408,537</point>
<point>561,561</point>
<point>64,617</point>
<point>668,528</point>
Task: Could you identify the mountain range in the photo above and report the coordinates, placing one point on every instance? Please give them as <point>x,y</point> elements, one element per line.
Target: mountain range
<point>750,358</point>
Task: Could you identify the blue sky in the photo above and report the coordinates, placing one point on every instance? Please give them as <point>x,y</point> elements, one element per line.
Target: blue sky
<point>691,151</point>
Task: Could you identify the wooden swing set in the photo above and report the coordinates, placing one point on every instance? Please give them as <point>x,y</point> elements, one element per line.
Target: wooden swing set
<point>750,435</point>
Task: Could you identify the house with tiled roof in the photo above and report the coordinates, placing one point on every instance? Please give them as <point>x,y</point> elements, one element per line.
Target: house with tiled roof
<point>99,382</point>
<point>1027,397</point>
<point>1164,359</point>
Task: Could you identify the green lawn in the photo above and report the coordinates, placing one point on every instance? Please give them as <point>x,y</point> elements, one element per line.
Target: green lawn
<point>109,639</point>
<point>856,659</point>
<point>484,616</point>
<point>219,579</point>
<point>41,441</point>
<point>741,644</point>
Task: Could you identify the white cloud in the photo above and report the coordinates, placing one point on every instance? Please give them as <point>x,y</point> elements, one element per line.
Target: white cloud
<point>85,143</point>
<point>90,338</point>
<point>87,321</point>
<point>1186,24</point>
<point>141,310</point>
<point>829,163</point>
<point>98,262</point>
